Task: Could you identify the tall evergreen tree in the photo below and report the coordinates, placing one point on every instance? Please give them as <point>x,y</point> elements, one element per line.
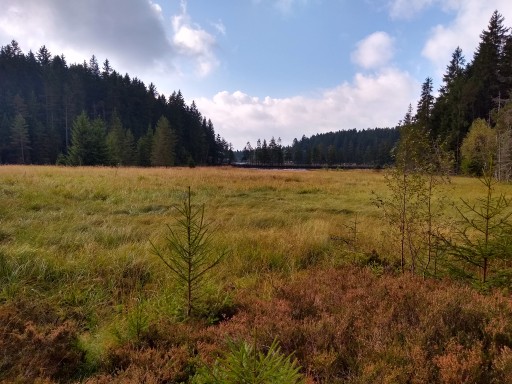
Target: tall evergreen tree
<point>88,145</point>
<point>130,151</point>
<point>54,94</point>
<point>503,130</point>
<point>116,141</point>
<point>20,140</point>
<point>424,110</point>
<point>43,56</point>
<point>485,76</point>
<point>413,146</point>
<point>144,149</point>
<point>163,150</point>
<point>454,71</point>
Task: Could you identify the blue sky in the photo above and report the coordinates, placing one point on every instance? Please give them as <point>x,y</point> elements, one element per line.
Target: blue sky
<point>263,68</point>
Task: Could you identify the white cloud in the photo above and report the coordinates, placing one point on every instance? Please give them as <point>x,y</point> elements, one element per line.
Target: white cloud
<point>131,38</point>
<point>472,17</point>
<point>157,9</point>
<point>137,40</point>
<point>369,101</point>
<point>191,40</point>
<point>406,9</point>
<point>374,51</point>
<point>220,27</point>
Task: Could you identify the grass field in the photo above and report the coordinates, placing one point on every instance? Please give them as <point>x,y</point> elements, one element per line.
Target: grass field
<point>82,296</point>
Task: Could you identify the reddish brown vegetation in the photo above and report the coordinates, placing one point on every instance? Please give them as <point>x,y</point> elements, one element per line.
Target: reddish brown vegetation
<point>351,326</point>
<point>343,325</point>
<point>36,345</point>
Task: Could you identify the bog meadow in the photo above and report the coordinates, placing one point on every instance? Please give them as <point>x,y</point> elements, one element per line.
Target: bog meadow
<point>131,251</point>
<point>306,281</point>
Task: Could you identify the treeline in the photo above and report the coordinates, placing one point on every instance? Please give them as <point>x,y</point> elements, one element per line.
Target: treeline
<point>80,114</point>
<point>468,123</point>
<point>475,94</point>
<point>371,147</point>
<point>368,146</point>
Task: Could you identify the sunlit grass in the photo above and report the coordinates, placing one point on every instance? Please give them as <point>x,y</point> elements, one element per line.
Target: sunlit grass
<point>78,238</point>
<point>268,219</point>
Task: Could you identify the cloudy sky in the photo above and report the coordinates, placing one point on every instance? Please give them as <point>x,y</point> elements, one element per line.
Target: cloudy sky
<point>263,68</point>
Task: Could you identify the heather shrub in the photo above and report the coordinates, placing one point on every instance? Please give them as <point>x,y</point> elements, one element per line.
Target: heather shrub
<point>349,325</point>
<point>133,365</point>
<point>35,345</point>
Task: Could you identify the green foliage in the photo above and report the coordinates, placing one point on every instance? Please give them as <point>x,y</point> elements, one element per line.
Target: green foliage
<point>503,128</point>
<point>243,364</point>
<point>478,148</point>
<point>420,166</point>
<point>163,149</point>
<point>20,140</point>
<point>402,210</point>
<point>144,148</point>
<point>88,145</point>
<point>484,231</point>
<point>50,95</point>
<point>135,322</point>
<point>188,252</point>
<point>120,143</point>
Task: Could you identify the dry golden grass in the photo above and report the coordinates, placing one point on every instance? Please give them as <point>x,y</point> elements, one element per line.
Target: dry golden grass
<point>77,239</point>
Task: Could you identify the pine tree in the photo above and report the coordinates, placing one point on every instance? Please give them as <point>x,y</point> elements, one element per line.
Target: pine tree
<point>107,69</point>
<point>94,67</point>
<point>43,56</point>
<point>116,141</point>
<point>189,254</point>
<point>129,154</point>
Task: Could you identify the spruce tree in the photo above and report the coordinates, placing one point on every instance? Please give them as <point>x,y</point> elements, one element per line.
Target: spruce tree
<point>163,150</point>
<point>20,141</point>
<point>424,110</point>
<point>448,113</point>
<point>116,141</point>
<point>485,76</point>
<point>144,149</point>
<point>88,145</point>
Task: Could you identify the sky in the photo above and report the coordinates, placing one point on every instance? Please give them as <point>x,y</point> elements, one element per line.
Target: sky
<point>265,68</point>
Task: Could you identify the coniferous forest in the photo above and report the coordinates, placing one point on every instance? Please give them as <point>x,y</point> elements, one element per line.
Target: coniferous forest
<point>473,94</point>
<point>472,110</point>
<point>84,114</point>
<point>369,147</point>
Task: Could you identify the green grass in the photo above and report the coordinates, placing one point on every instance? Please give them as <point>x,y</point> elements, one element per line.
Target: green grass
<point>69,217</point>
<point>78,239</point>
